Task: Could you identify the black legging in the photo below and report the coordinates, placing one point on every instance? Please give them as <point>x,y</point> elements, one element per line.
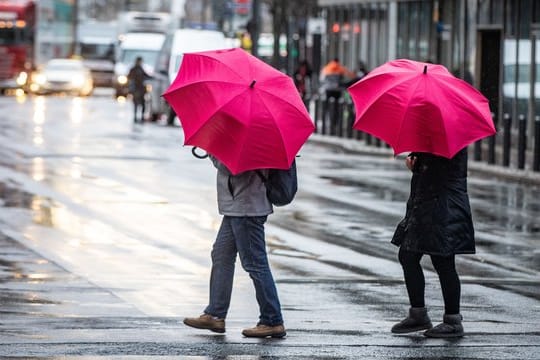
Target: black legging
<point>415,282</point>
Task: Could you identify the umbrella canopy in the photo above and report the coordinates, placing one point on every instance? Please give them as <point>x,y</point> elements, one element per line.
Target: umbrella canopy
<point>416,106</point>
<point>239,109</point>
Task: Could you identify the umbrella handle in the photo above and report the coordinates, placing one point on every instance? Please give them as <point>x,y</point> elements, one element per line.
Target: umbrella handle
<point>198,156</point>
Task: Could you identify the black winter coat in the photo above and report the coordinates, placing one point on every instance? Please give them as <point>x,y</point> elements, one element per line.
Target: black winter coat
<point>137,87</point>
<point>438,218</point>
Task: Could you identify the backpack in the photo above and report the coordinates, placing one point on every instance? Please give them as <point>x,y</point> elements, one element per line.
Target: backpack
<point>281,185</point>
<point>332,81</point>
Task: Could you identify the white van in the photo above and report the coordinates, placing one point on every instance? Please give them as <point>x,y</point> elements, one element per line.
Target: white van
<point>132,45</point>
<point>170,58</point>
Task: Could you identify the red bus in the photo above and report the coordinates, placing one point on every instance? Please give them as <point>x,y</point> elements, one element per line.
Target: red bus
<point>17,36</point>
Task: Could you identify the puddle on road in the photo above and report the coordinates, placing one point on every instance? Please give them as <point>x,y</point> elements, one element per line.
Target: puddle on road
<point>12,197</point>
<point>376,191</point>
<point>504,208</point>
<point>338,163</point>
<point>15,298</point>
<point>513,196</point>
<point>13,267</point>
<point>42,208</point>
<point>497,207</point>
<point>506,216</point>
<point>20,266</point>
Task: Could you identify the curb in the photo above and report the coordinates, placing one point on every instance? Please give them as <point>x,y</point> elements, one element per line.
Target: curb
<point>355,146</point>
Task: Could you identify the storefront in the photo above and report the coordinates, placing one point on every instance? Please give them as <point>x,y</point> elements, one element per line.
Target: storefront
<point>490,43</point>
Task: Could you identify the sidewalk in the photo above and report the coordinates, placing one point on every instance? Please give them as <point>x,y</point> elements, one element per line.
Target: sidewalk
<point>475,167</point>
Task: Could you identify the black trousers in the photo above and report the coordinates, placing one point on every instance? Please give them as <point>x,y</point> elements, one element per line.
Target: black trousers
<point>136,106</point>
<point>415,282</point>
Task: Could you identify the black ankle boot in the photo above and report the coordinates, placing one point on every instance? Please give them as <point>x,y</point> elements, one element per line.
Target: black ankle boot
<point>417,320</point>
<point>451,327</point>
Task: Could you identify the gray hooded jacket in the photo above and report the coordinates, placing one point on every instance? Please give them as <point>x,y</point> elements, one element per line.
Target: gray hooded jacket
<point>241,195</point>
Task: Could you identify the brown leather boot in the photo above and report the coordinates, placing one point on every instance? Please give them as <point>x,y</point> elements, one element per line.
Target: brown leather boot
<point>262,331</point>
<point>208,322</point>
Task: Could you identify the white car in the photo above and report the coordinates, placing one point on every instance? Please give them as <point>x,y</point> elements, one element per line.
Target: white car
<point>63,75</point>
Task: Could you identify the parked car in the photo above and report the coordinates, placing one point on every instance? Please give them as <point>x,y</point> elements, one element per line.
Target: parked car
<point>63,76</point>
<point>169,60</point>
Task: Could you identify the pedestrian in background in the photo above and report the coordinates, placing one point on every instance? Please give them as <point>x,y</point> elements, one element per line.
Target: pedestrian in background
<point>137,78</point>
<point>361,71</point>
<point>438,223</point>
<point>245,207</point>
<point>333,77</point>
<point>302,80</point>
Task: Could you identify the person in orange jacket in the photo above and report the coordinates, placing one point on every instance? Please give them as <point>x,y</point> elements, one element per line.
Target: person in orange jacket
<point>332,77</point>
<point>334,67</point>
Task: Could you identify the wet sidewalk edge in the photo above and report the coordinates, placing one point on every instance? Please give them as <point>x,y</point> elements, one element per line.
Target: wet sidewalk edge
<point>355,146</point>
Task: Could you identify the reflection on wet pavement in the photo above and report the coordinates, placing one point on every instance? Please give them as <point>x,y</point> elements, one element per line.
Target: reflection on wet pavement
<point>127,231</point>
<point>507,215</point>
<point>371,190</point>
<point>43,208</point>
<point>14,197</point>
<point>32,287</point>
<point>16,266</point>
<point>506,207</point>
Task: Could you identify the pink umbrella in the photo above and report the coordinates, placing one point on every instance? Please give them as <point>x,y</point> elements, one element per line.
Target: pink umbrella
<point>239,109</point>
<point>416,106</point>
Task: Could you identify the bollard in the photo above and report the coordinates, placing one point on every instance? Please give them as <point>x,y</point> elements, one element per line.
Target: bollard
<point>317,112</point>
<point>536,159</point>
<point>324,116</point>
<point>359,135</point>
<point>331,113</point>
<point>337,116</point>
<point>522,141</point>
<point>478,150</point>
<point>350,119</point>
<point>340,105</point>
<point>491,143</point>
<point>507,128</point>
<point>369,139</point>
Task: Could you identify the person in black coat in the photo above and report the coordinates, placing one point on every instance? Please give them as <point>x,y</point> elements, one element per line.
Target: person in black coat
<point>302,80</point>
<point>137,78</point>
<point>438,223</point>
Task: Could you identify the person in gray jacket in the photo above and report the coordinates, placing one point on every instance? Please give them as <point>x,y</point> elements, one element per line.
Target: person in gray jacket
<point>243,203</point>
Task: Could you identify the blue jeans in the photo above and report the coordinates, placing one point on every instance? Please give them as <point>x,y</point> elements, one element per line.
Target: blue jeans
<point>245,236</point>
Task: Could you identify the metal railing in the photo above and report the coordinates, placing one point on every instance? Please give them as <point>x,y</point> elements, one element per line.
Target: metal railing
<point>508,148</point>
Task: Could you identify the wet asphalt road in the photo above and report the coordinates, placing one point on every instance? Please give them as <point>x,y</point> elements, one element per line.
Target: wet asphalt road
<point>105,231</point>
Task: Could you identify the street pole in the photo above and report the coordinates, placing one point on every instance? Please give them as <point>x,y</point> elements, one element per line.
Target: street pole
<point>75,25</point>
<point>256,26</point>
<point>203,13</point>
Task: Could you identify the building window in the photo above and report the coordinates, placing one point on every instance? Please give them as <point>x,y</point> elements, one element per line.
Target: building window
<point>415,24</point>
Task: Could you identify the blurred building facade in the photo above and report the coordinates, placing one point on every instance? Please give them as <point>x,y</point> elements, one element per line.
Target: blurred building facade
<point>226,15</point>
<point>494,44</point>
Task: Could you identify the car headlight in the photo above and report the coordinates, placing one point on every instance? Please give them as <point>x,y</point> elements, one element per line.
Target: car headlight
<point>22,78</point>
<point>77,80</point>
<point>40,79</point>
<point>122,79</point>
<point>34,87</point>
